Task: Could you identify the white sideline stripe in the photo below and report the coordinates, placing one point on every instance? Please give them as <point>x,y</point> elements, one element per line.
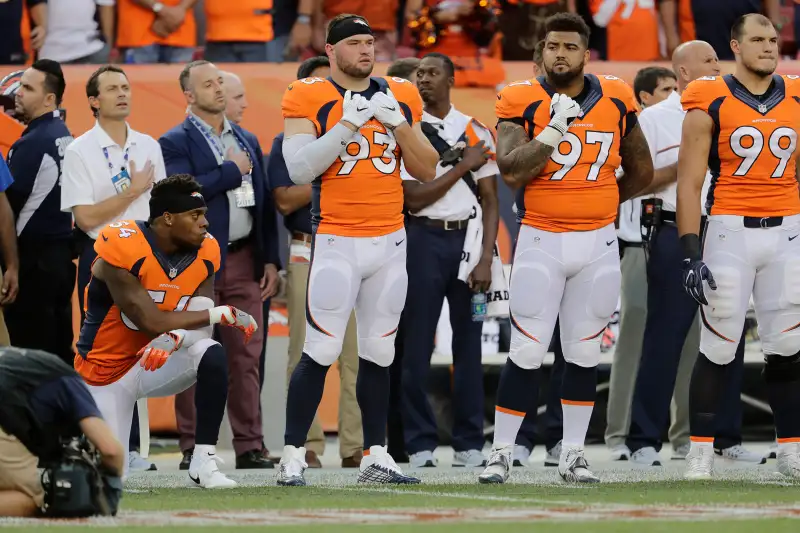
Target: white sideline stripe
<point>462,496</point>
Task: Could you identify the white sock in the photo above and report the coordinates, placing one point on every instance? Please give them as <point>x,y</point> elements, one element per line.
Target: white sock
<point>506,427</point>
<point>697,444</point>
<point>576,422</point>
<point>787,446</point>
<point>204,450</point>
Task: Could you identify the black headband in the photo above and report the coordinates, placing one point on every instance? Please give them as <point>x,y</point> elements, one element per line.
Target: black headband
<point>347,28</point>
<point>175,203</point>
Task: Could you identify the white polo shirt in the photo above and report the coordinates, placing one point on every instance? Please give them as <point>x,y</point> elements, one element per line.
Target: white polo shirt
<point>86,176</point>
<point>662,125</point>
<point>457,202</point>
<point>72,32</point>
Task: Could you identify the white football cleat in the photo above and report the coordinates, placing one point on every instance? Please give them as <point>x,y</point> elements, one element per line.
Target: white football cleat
<point>573,468</point>
<point>291,468</point>
<point>647,456</point>
<point>498,465</point>
<point>700,462</point>
<point>378,467</point>
<point>204,470</point>
<point>469,458</point>
<point>789,460</point>
<point>740,454</point>
<point>137,463</point>
<point>423,459</point>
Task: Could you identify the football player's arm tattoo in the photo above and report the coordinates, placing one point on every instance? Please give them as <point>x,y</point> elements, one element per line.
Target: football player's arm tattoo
<point>636,163</point>
<point>134,301</point>
<point>519,158</point>
<point>698,129</point>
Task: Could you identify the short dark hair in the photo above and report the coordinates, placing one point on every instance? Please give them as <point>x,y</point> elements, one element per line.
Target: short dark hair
<point>737,30</point>
<point>647,80</point>
<point>403,68</point>
<point>183,78</point>
<point>339,18</point>
<point>538,52</point>
<point>568,22</point>
<point>177,183</point>
<point>448,63</point>
<point>53,77</point>
<point>93,83</point>
<point>311,64</point>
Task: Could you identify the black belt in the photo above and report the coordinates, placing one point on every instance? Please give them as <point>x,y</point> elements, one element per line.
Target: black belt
<point>628,244</point>
<point>447,225</point>
<point>762,222</point>
<point>235,246</point>
<point>669,216</point>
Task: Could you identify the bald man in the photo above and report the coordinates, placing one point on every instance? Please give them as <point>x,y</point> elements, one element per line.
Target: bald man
<point>671,312</point>
<point>235,97</point>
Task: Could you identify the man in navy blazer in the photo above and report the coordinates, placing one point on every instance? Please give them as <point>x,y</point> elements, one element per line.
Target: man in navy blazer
<point>228,163</point>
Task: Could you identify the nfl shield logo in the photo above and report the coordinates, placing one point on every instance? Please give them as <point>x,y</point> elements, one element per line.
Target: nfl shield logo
<point>173,272</point>
<point>762,108</point>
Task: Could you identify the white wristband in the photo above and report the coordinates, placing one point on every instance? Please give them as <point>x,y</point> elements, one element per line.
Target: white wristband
<point>550,136</point>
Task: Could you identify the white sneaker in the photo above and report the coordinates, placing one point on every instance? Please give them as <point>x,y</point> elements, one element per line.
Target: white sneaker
<point>620,452</point>
<point>647,456</point>
<point>379,467</point>
<point>700,462</point>
<point>423,459</point>
<point>680,453</point>
<point>573,468</point>
<point>469,458</point>
<point>740,454</point>
<point>789,460</point>
<point>137,463</point>
<point>497,466</point>
<point>553,455</point>
<point>292,466</point>
<point>521,455</point>
<point>204,470</point>
<point>772,452</point>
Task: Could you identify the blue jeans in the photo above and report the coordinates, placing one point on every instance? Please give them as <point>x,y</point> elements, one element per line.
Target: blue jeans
<point>236,52</point>
<point>158,53</point>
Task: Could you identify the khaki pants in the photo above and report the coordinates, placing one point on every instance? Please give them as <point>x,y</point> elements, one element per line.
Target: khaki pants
<point>351,439</point>
<point>18,470</point>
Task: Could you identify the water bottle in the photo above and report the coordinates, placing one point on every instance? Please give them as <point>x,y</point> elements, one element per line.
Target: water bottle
<point>478,306</point>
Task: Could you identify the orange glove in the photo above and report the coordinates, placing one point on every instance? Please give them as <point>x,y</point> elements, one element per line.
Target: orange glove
<point>157,351</point>
<point>227,315</point>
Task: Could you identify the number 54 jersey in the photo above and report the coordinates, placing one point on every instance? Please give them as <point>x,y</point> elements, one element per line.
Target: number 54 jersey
<point>109,341</point>
<point>577,189</point>
<point>361,193</point>
<point>752,155</point>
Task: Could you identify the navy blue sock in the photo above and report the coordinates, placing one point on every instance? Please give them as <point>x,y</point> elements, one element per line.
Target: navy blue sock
<point>305,392</point>
<point>211,395</point>
<point>709,381</point>
<point>372,392</point>
<point>579,384</point>
<point>782,374</point>
<point>518,389</point>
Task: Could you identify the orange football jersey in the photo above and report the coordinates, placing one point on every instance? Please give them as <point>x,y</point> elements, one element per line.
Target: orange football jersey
<point>577,189</point>
<point>752,156</point>
<point>109,341</point>
<point>361,194</point>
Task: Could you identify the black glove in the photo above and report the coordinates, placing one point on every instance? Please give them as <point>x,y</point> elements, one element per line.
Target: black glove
<point>695,270</point>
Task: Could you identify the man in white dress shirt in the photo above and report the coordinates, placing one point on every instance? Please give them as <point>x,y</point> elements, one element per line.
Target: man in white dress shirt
<point>671,312</point>
<point>436,229</point>
<point>107,175</point>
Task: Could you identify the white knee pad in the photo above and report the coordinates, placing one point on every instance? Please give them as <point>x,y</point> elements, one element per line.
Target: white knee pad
<point>723,302</point>
<point>329,284</point>
<point>791,281</point>
<point>525,352</point>
<point>379,350</point>
<point>530,283</point>
<point>604,292</point>
<point>323,350</point>
<point>585,353</point>
<point>392,298</point>
<point>782,343</point>
<point>719,351</point>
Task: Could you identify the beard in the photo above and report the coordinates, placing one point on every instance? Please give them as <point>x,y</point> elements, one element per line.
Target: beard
<point>353,70</point>
<point>561,79</point>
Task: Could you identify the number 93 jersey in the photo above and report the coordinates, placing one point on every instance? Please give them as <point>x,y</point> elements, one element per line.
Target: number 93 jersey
<point>109,341</point>
<point>577,189</point>
<point>752,155</point>
<point>361,193</point>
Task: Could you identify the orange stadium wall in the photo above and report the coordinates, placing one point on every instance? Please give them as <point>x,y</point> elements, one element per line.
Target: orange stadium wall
<point>158,105</point>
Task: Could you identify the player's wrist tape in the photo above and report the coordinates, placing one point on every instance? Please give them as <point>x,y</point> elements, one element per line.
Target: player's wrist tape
<point>550,136</point>
<point>307,157</point>
<point>691,246</point>
<point>215,314</point>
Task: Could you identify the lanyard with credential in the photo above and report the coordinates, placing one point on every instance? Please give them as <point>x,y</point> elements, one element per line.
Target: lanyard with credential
<point>213,140</point>
<point>124,160</point>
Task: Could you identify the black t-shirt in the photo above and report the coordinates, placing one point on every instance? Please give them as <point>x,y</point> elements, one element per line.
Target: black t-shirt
<point>64,401</point>
<point>284,13</point>
<point>713,20</point>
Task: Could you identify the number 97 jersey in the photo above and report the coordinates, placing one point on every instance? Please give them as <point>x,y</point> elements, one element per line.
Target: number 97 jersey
<point>577,189</point>
<point>752,155</point>
<point>109,341</point>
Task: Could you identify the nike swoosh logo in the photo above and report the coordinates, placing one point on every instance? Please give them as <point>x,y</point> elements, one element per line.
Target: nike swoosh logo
<point>196,480</point>
<point>359,109</point>
<point>391,108</point>
<point>792,238</point>
<point>399,243</point>
<point>609,243</point>
<point>106,238</point>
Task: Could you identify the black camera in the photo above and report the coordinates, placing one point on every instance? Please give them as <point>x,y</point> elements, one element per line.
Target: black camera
<point>650,219</point>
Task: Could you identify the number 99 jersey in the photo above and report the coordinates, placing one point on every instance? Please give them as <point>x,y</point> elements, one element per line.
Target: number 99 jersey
<point>109,341</point>
<point>752,155</point>
<point>361,193</point>
<point>577,189</point>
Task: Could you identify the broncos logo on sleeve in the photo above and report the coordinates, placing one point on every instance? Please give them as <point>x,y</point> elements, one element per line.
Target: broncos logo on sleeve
<point>753,148</point>
<point>577,189</point>
<point>108,340</point>
<point>361,193</point>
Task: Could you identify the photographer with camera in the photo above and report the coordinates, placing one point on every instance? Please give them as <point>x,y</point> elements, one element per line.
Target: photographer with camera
<point>48,417</point>
<point>451,228</point>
